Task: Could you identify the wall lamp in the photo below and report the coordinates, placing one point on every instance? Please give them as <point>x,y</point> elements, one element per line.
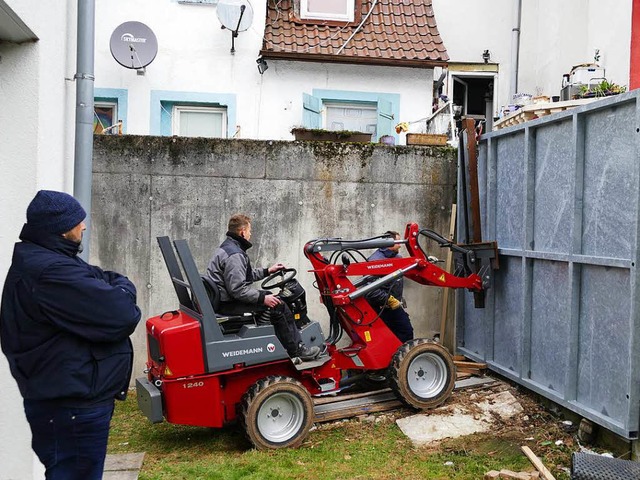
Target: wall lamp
<point>486,56</point>
<point>262,65</point>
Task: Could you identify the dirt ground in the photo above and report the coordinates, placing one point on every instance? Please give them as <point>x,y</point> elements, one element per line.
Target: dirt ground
<point>551,432</point>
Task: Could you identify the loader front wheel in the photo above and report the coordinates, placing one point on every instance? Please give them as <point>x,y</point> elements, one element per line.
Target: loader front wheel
<point>277,412</point>
<point>422,374</point>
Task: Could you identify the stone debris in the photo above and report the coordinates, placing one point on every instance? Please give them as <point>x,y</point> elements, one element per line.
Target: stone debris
<point>508,474</point>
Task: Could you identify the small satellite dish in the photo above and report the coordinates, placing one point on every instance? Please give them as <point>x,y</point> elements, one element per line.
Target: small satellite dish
<point>235,15</point>
<point>133,45</point>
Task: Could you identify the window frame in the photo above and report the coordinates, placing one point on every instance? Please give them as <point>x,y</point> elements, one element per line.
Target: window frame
<point>349,17</point>
<point>388,108</point>
<point>117,96</point>
<point>178,108</point>
<point>327,104</point>
<point>106,104</point>
<point>162,102</point>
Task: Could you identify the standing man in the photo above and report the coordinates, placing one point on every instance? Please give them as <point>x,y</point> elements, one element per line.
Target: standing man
<point>230,271</point>
<point>64,327</point>
<point>388,299</point>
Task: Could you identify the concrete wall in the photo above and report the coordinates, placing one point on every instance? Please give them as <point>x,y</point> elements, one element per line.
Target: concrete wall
<point>36,151</point>
<point>146,187</point>
<point>193,56</point>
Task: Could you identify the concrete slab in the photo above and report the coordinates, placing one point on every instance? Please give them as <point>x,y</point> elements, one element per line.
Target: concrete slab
<point>122,466</point>
<point>121,475</point>
<point>426,428</point>
<point>123,461</point>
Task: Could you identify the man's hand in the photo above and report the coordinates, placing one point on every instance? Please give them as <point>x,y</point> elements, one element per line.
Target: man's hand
<point>271,301</point>
<point>393,302</point>
<point>275,267</point>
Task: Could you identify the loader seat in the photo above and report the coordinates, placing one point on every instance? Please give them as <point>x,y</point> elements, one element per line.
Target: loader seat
<point>213,293</point>
<point>228,323</point>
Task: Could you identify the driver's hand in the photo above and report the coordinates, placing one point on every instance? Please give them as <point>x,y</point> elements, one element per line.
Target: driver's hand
<point>276,267</point>
<point>271,301</point>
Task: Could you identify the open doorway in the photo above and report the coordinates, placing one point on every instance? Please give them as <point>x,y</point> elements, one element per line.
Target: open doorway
<point>473,94</point>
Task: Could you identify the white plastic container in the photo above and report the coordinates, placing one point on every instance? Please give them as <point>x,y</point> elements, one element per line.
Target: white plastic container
<point>585,74</point>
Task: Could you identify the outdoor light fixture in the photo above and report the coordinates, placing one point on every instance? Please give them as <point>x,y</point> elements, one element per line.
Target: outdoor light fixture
<point>262,65</point>
<point>486,56</point>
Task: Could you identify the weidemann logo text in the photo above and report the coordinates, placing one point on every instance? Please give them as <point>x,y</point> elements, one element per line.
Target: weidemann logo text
<point>244,351</point>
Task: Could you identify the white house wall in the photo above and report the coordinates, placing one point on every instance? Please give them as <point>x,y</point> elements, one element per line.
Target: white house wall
<point>469,27</point>
<point>36,151</point>
<point>551,43</point>
<point>554,37</point>
<point>194,56</point>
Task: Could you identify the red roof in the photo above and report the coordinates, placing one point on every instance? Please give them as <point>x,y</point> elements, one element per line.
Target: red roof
<point>396,33</point>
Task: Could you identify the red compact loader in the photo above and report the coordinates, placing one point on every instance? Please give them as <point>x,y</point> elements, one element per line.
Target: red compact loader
<point>210,370</point>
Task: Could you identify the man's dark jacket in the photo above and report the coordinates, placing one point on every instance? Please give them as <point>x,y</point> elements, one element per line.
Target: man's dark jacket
<point>231,271</point>
<point>65,324</point>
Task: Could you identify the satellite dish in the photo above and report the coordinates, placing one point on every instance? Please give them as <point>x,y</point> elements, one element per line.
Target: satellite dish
<point>133,45</point>
<point>235,15</point>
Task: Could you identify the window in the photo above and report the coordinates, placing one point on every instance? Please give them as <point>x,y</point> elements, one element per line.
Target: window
<point>352,116</point>
<point>198,2</point>
<point>189,121</point>
<point>110,107</point>
<point>105,117</point>
<point>337,10</point>
<point>369,112</point>
<point>193,114</point>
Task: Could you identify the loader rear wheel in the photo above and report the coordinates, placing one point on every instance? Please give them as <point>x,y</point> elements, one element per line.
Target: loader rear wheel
<point>277,412</point>
<point>422,374</point>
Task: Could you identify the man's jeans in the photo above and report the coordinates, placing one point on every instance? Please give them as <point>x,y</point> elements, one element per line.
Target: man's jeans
<point>70,442</point>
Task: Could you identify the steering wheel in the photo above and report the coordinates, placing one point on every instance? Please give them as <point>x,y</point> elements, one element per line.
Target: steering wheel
<point>286,275</point>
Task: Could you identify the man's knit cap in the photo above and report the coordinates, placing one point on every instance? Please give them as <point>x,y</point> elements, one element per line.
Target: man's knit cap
<point>54,212</point>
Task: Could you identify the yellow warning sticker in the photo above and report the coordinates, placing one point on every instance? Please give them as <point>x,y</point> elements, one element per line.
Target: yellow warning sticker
<point>441,278</point>
<point>167,372</point>
<point>297,316</point>
<point>367,336</point>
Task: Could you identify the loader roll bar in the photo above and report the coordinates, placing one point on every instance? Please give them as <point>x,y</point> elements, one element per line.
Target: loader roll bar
<point>333,244</point>
<point>380,282</point>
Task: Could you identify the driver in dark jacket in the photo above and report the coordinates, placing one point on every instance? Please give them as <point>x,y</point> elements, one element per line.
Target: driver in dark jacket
<point>64,327</point>
<point>230,271</point>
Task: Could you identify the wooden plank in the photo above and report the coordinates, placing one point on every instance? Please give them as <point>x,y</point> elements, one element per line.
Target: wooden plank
<point>469,125</point>
<point>451,346</point>
<point>357,410</point>
<point>348,396</point>
<point>475,365</point>
<point>346,406</point>
<point>546,474</point>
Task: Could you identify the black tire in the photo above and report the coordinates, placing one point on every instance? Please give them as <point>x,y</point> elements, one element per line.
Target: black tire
<point>277,412</point>
<point>422,374</point>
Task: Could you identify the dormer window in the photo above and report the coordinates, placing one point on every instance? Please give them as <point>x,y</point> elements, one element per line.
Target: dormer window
<point>333,10</point>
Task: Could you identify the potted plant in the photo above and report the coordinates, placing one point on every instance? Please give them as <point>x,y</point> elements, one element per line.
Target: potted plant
<point>602,89</point>
<point>321,135</point>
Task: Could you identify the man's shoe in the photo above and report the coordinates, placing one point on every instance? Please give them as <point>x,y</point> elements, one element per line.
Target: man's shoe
<point>305,353</point>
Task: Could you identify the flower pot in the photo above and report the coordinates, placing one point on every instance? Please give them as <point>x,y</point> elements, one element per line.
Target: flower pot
<point>330,135</point>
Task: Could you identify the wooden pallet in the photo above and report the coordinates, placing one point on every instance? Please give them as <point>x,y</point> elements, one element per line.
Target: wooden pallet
<point>331,408</point>
<point>537,110</point>
<point>435,139</point>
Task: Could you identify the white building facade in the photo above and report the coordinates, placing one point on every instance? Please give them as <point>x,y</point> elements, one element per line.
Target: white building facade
<point>37,56</point>
<point>194,67</point>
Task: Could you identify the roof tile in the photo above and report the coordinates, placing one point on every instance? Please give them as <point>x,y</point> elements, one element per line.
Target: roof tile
<point>402,30</point>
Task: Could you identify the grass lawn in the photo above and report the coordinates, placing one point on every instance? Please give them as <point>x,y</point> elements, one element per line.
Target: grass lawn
<point>348,449</point>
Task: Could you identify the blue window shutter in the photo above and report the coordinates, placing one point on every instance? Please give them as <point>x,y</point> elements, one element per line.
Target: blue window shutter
<point>385,118</point>
<point>311,111</point>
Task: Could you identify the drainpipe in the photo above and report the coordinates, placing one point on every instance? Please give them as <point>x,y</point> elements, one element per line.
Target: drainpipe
<point>515,48</point>
<point>83,160</point>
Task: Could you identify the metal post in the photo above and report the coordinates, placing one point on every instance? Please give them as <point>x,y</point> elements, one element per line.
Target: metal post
<point>515,48</point>
<point>83,160</point>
